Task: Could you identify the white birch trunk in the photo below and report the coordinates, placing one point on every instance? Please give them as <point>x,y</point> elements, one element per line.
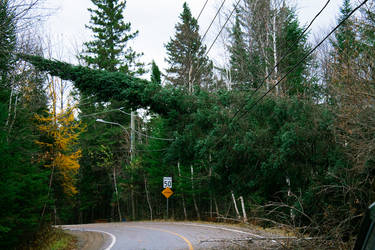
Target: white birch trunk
<point>235,206</point>
<point>275,49</point>
<point>243,210</point>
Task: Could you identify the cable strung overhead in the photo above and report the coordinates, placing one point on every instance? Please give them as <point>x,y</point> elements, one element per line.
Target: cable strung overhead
<point>299,62</point>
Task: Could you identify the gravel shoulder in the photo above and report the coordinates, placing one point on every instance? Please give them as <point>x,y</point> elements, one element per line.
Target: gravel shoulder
<point>89,240</point>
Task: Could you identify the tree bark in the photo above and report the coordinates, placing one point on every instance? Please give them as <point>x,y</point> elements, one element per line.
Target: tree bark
<point>193,192</point>
<point>243,209</point>
<point>148,196</point>
<point>118,202</point>
<point>235,206</point>
<point>182,196</point>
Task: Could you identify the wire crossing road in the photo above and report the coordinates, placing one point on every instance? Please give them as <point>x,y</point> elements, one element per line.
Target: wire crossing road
<point>174,235</point>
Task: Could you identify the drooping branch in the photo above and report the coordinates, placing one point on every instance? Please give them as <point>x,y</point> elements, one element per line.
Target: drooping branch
<point>139,93</point>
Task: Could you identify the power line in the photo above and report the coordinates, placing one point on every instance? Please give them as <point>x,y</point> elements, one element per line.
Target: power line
<point>290,51</point>
<point>209,26</point>
<point>200,13</point>
<point>138,132</point>
<point>291,48</point>
<point>303,58</point>
<point>221,30</point>
<point>152,137</point>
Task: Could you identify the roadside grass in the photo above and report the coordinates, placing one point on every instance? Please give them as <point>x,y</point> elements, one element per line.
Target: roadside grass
<point>51,238</point>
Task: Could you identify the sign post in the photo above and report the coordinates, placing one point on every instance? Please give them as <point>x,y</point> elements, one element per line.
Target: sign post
<point>167,192</point>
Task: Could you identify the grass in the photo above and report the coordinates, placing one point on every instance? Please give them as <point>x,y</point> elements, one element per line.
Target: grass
<point>52,239</point>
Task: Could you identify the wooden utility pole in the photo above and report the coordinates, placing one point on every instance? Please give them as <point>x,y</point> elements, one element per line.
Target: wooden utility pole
<point>132,139</point>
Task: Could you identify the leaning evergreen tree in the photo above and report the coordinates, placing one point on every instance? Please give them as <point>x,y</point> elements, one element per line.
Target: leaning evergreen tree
<point>189,66</point>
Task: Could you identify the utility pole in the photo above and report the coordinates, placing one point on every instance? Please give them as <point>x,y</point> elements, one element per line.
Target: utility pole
<point>132,139</point>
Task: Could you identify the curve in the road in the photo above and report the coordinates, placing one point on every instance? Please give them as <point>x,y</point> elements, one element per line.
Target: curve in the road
<point>110,235</point>
<point>167,231</point>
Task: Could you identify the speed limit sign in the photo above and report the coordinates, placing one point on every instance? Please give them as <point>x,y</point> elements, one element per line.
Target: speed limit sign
<point>167,182</point>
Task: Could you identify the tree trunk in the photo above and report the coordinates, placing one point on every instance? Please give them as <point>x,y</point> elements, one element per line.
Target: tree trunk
<point>118,202</point>
<point>193,192</point>
<point>243,209</point>
<point>235,206</point>
<point>275,49</point>
<point>182,196</point>
<point>148,196</point>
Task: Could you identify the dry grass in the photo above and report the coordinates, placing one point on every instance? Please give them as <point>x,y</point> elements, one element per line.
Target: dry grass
<point>52,239</point>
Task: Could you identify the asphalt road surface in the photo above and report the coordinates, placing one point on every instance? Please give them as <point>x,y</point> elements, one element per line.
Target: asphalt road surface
<point>173,235</point>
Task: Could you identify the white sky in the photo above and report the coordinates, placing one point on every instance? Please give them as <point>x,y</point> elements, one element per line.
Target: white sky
<point>155,20</point>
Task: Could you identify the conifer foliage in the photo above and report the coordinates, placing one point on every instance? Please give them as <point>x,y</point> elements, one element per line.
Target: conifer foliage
<point>189,67</point>
<point>109,49</point>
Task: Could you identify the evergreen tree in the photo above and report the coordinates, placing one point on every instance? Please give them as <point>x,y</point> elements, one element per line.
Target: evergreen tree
<point>291,32</point>
<point>7,40</point>
<point>345,52</point>
<point>344,44</point>
<point>155,73</point>
<point>188,65</point>
<point>109,49</point>
<point>239,57</point>
<point>23,186</point>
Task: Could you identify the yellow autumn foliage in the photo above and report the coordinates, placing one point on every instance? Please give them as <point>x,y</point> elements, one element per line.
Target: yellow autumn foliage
<point>61,153</point>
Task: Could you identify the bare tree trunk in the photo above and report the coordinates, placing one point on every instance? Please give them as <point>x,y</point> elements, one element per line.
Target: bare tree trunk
<point>216,206</point>
<point>148,196</point>
<point>118,202</point>
<point>193,192</point>
<point>9,108</point>
<point>211,195</point>
<point>182,196</point>
<point>275,49</point>
<point>49,190</point>
<point>243,209</point>
<point>14,115</point>
<point>235,206</point>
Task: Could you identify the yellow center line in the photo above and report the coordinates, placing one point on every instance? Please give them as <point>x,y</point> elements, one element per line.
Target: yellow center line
<point>167,231</point>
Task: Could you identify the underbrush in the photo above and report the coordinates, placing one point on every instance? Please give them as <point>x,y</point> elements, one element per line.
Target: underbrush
<point>51,238</point>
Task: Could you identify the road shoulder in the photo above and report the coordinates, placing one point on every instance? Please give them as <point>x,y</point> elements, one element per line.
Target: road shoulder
<point>87,240</point>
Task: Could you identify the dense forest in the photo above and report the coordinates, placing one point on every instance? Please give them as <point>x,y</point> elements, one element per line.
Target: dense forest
<point>282,136</point>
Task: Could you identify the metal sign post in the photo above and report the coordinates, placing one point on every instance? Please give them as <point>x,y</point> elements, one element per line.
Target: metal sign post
<point>167,192</point>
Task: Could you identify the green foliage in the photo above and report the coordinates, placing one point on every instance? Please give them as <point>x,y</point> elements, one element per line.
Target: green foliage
<point>7,40</point>
<point>112,33</point>
<point>23,188</point>
<point>116,85</point>
<point>297,82</point>
<point>155,73</point>
<point>188,66</point>
<point>240,63</point>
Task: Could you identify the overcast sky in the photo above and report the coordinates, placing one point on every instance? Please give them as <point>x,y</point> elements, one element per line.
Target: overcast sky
<point>155,20</point>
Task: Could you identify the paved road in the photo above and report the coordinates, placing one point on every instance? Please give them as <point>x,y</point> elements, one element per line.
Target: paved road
<point>170,235</point>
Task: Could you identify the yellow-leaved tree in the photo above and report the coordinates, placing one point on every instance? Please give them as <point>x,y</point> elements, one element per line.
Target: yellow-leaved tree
<point>60,142</point>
